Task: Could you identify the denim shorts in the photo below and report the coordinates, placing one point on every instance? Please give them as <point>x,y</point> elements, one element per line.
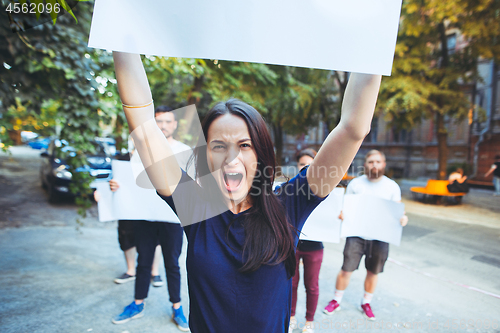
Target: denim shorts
<point>375,252</point>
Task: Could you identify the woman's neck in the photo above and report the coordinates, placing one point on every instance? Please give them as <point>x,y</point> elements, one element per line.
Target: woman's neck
<point>238,207</point>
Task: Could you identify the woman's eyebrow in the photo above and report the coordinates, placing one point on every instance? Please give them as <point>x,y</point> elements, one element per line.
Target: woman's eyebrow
<point>239,141</point>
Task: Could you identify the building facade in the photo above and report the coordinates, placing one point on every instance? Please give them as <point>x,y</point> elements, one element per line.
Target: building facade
<point>473,142</point>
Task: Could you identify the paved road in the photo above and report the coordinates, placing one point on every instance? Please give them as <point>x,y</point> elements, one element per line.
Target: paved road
<point>57,279</point>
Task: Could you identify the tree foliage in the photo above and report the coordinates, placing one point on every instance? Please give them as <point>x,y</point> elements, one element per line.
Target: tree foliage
<point>427,77</point>
<point>50,82</point>
<point>291,99</point>
<point>53,84</point>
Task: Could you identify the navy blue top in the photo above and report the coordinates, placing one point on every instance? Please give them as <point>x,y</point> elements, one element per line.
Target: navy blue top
<point>222,299</point>
<point>309,246</point>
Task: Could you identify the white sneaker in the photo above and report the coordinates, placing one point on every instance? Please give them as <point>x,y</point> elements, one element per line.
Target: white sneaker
<point>307,329</point>
<point>293,324</point>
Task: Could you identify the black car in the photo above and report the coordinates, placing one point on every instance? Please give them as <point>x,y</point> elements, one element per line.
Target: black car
<point>54,173</point>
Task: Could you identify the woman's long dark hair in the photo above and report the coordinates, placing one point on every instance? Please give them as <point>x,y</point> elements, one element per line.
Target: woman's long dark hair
<point>268,235</point>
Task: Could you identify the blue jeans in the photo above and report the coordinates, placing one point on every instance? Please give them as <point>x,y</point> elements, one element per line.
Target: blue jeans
<point>496,183</point>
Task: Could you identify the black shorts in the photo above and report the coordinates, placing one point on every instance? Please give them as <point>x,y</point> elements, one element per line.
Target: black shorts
<point>375,252</point>
<point>126,234</point>
<point>127,230</point>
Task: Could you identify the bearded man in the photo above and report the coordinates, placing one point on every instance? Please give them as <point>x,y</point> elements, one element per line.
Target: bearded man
<point>374,183</point>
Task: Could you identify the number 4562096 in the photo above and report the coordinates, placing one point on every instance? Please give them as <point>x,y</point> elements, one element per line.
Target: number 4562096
<point>32,8</point>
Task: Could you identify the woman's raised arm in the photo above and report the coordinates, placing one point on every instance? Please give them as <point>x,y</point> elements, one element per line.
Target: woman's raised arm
<point>154,150</point>
<point>342,144</point>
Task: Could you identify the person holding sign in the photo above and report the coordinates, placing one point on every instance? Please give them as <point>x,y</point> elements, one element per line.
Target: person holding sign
<point>311,254</point>
<point>149,234</point>
<point>241,234</point>
<point>495,169</point>
<point>376,252</point>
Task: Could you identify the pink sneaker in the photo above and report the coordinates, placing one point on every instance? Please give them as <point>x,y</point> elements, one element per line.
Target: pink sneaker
<point>367,310</point>
<point>332,307</point>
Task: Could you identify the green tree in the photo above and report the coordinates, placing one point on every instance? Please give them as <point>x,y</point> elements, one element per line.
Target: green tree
<point>427,76</point>
<point>50,81</point>
<point>300,98</point>
<point>291,99</point>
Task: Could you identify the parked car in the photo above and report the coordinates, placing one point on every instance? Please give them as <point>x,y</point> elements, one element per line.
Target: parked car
<point>39,143</point>
<point>110,144</point>
<point>28,136</point>
<point>55,176</point>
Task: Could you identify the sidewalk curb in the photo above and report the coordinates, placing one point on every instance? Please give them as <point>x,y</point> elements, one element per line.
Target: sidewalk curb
<point>465,214</point>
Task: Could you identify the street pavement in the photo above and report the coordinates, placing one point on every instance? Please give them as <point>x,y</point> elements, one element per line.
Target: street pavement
<point>57,277</point>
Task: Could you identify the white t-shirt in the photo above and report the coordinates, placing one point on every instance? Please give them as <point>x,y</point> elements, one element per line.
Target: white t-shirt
<point>385,188</point>
<point>182,154</point>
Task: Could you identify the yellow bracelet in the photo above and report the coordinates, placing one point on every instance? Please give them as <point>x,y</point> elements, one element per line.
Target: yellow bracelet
<point>137,106</point>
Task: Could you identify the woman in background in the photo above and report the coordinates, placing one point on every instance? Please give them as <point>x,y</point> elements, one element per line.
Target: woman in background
<point>311,254</point>
<point>458,182</point>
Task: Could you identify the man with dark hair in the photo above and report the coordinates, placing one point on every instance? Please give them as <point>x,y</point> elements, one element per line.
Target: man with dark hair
<point>373,182</point>
<point>495,169</point>
<point>165,119</point>
<point>168,234</point>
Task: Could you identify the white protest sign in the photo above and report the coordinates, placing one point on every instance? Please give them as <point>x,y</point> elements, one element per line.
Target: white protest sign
<point>131,202</point>
<point>354,36</point>
<point>105,202</point>
<point>323,225</point>
<point>371,217</point>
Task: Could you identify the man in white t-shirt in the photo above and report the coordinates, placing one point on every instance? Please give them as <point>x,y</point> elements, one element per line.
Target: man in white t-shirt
<point>373,182</point>
<point>168,234</point>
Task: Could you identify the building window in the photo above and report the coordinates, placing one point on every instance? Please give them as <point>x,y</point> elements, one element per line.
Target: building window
<point>451,43</point>
<point>372,136</point>
<point>399,136</point>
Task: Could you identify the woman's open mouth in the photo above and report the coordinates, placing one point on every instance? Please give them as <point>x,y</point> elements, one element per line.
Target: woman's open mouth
<point>232,180</point>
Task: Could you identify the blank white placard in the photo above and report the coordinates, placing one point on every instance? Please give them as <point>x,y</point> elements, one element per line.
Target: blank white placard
<point>105,203</point>
<point>371,217</point>
<point>323,225</point>
<point>131,202</point>
<point>354,36</point>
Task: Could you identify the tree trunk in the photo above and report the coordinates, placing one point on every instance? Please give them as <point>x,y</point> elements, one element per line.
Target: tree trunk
<point>408,151</point>
<point>342,80</point>
<point>15,136</point>
<point>119,142</point>
<point>326,122</point>
<point>442,133</point>
<point>185,129</point>
<point>442,137</point>
<point>197,85</point>
<point>278,143</point>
